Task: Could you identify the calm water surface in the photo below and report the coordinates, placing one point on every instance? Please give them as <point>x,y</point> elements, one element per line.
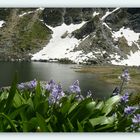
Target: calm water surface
<point>59,72</point>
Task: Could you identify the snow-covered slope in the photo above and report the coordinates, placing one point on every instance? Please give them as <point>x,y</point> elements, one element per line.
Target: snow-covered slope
<point>61,47</point>
<point>129,35</point>
<point>132,60</point>
<point>102,44</point>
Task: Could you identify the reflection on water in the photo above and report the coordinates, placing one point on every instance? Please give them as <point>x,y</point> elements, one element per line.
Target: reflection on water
<point>59,72</point>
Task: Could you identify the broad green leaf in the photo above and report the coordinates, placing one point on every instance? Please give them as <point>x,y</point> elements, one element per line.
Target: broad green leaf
<point>82,111</point>
<point>37,94</point>
<point>102,120</point>
<point>13,127</point>
<point>64,128</point>
<point>18,100</point>
<point>73,106</point>
<point>11,94</point>
<point>65,107</point>
<point>70,125</point>
<point>17,111</point>
<point>24,121</point>
<point>110,103</point>
<point>41,122</point>
<point>100,105</point>
<point>42,107</point>
<point>30,102</point>
<point>80,128</point>
<point>49,127</point>
<point>97,121</point>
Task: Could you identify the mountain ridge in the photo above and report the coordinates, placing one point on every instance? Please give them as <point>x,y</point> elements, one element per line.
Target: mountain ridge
<point>108,35</point>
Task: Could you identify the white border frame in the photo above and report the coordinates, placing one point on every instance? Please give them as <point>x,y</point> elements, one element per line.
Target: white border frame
<point>69,3</point>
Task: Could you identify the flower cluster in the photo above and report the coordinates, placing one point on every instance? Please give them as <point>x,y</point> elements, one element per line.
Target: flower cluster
<point>136,119</point>
<point>74,88</point>
<point>32,84</point>
<point>125,97</point>
<point>129,110</point>
<point>51,85</point>
<point>125,75</point>
<point>56,92</point>
<point>21,86</point>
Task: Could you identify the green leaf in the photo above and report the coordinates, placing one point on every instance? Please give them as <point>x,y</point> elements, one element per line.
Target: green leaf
<point>24,121</point>
<point>70,125</point>
<point>97,121</point>
<point>100,105</point>
<point>49,128</point>
<point>14,129</point>
<point>64,128</point>
<point>65,105</point>
<point>41,122</point>
<point>11,94</point>
<point>42,107</point>
<point>18,100</point>
<point>110,103</point>
<point>82,111</point>
<point>80,128</point>
<point>17,111</point>
<point>37,97</point>
<point>102,120</point>
<point>73,106</point>
<point>2,105</point>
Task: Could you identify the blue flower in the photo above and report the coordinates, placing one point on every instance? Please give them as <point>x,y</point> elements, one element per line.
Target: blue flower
<point>125,97</point>
<point>136,119</point>
<point>21,86</point>
<point>75,87</point>
<point>50,85</point>
<point>56,94</point>
<point>33,83</point>
<point>125,75</point>
<point>129,110</point>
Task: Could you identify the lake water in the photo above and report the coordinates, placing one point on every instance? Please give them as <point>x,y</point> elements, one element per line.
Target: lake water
<point>63,73</point>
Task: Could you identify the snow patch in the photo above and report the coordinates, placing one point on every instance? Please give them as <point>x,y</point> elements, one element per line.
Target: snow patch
<point>95,14</point>
<point>30,12</point>
<point>109,13</point>
<point>26,13</point>
<point>59,47</point>
<point>129,35</point>
<point>107,26</point>
<point>1,23</point>
<point>133,60</point>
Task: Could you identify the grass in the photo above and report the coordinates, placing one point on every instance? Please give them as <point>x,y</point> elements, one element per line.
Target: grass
<point>111,74</point>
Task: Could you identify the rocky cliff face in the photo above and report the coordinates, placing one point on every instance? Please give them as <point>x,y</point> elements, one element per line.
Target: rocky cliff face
<point>22,33</point>
<point>102,36</point>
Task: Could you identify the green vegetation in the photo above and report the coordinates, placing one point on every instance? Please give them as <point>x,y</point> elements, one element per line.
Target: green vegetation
<point>31,34</point>
<point>33,108</point>
<point>22,35</point>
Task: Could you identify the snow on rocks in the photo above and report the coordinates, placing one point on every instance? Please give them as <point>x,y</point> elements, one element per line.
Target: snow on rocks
<point>129,35</point>
<point>109,13</point>
<point>61,47</point>
<point>95,13</point>
<point>1,23</point>
<point>133,60</point>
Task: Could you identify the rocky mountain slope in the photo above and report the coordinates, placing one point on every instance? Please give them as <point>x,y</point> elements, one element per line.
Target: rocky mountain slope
<point>79,35</point>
